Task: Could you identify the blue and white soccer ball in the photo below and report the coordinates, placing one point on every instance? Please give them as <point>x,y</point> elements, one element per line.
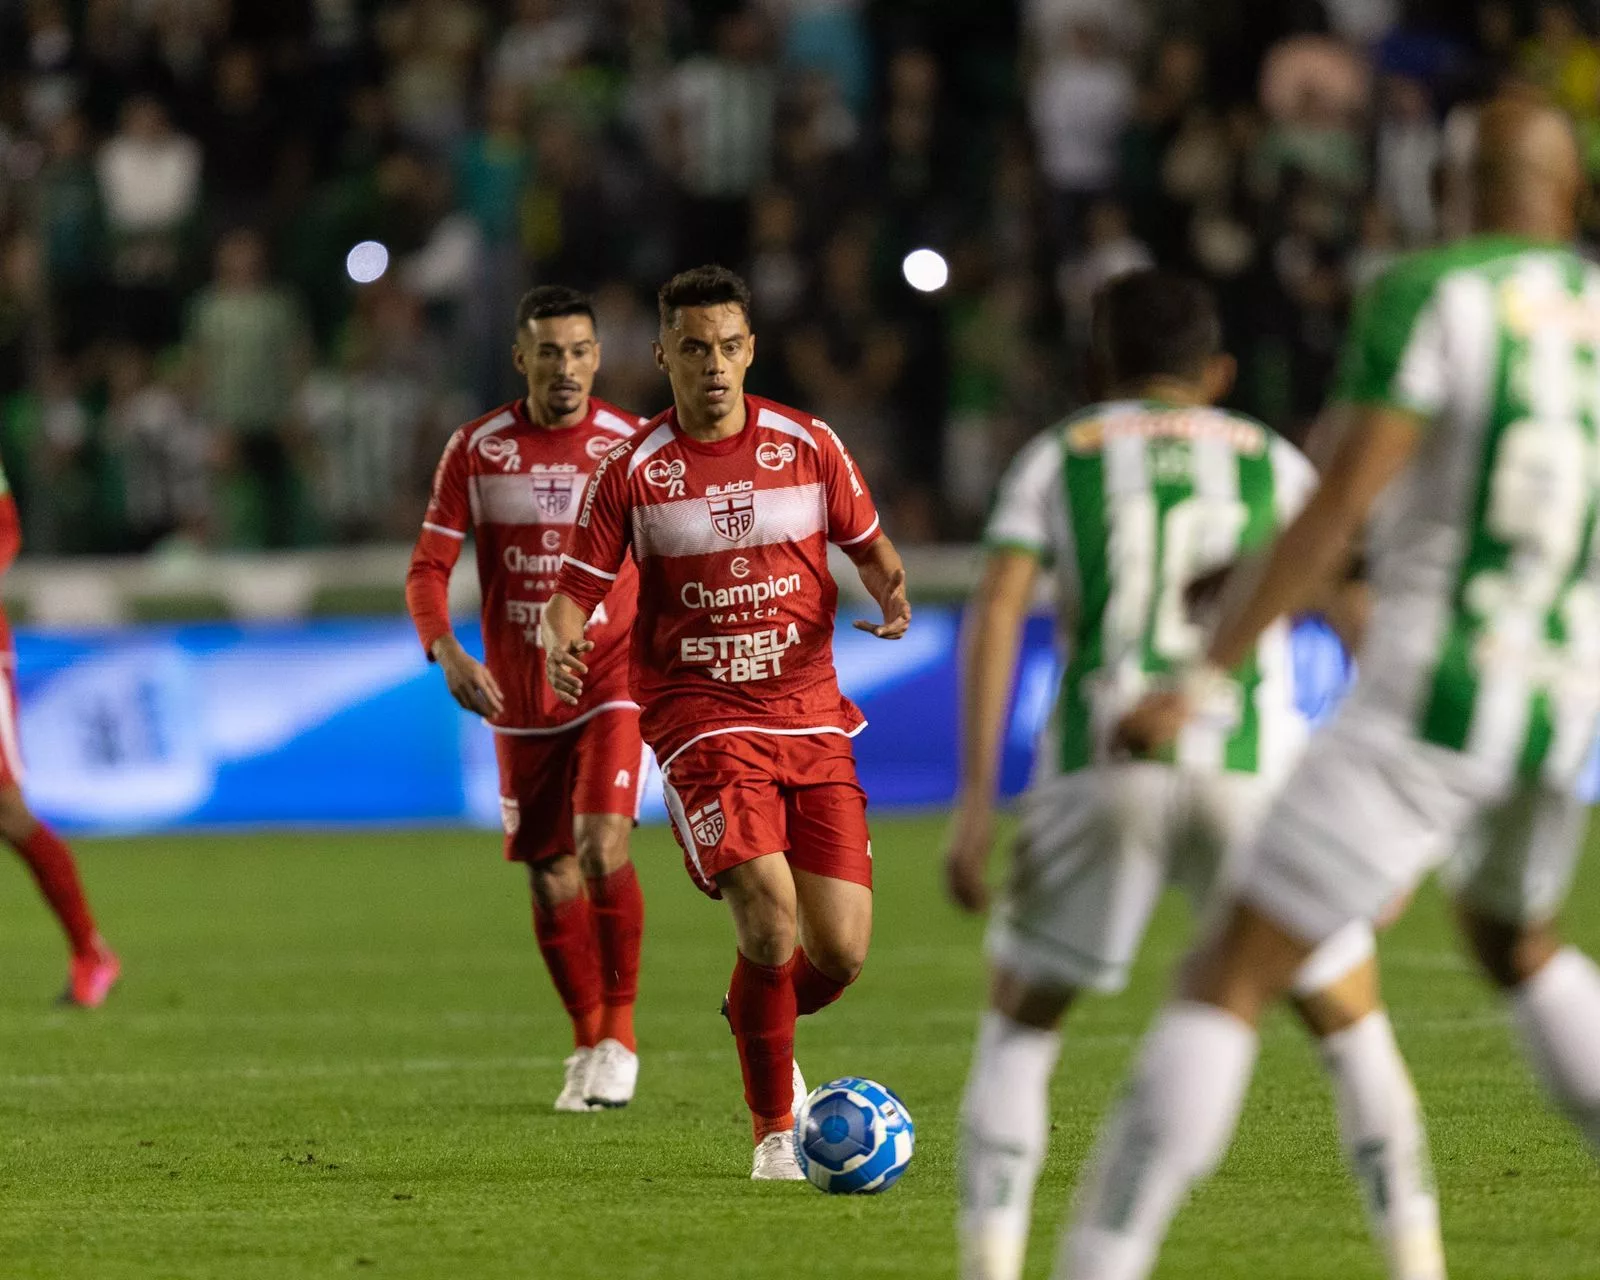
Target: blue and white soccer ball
<point>854,1137</point>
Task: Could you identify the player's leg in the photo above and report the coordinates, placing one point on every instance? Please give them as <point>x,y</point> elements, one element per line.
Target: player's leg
<point>1356,826</point>
<point>1089,866</point>
<point>93,969</point>
<point>1381,1127</point>
<point>1508,890</point>
<point>1336,994</point>
<point>728,815</point>
<point>536,813</point>
<point>606,791</point>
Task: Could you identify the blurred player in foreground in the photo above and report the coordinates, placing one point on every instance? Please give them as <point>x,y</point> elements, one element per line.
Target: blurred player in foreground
<point>728,503</point>
<point>1133,503</point>
<point>570,775</point>
<point>93,969</point>
<point>1469,380</point>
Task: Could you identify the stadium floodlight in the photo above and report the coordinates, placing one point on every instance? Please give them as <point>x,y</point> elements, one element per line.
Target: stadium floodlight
<point>925,270</point>
<point>366,262</point>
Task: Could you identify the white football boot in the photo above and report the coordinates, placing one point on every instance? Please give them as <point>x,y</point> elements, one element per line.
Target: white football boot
<point>800,1093</point>
<point>571,1097</point>
<point>775,1159</point>
<point>613,1075</point>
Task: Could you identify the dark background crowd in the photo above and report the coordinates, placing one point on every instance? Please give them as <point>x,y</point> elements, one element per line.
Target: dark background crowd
<point>185,360</point>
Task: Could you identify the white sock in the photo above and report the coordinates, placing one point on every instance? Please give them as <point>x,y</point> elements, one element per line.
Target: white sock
<point>1005,1125</point>
<point>1380,1124</point>
<point>1171,1129</point>
<point>1557,1012</point>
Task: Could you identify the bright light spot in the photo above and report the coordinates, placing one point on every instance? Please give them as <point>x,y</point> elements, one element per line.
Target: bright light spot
<point>366,262</point>
<point>925,270</point>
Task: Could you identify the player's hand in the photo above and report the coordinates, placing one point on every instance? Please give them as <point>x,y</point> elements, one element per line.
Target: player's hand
<point>1155,722</point>
<point>966,858</point>
<point>565,670</point>
<point>469,681</point>
<point>896,610</point>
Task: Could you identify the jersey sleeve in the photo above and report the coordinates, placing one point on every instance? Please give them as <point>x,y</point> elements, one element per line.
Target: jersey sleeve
<point>1021,518</point>
<point>1293,480</point>
<point>1394,352</point>
<point>444,528</point>
<point>852,515</point>
<point>600,535</point>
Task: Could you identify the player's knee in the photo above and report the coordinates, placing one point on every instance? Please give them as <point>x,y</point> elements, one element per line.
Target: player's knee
<point>838,958</point>
<point>17,822</point>
<point>1509,953</point>
<point>555,882</point>
<point>602,847</point>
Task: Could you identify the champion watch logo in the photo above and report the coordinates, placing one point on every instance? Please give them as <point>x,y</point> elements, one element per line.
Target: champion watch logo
<point>552,494</point>
<point>735,517</point>
<point>707,824</point>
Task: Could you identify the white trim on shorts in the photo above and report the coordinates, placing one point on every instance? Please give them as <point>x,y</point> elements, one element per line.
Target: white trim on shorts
<point>680,819</point>
<point>10,746</point>
<point>549,731</point>
<point>756,728</point>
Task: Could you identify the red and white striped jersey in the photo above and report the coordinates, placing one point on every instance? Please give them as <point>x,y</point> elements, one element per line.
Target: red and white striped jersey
<point>736,603</point>
<point>516,487</point>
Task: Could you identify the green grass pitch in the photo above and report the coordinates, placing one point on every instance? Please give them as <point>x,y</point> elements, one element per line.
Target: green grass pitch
<point>335,1055</point>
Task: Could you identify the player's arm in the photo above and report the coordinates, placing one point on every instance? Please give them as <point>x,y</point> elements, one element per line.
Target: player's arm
<point>438,547</point>
<point>989,644</point>
<point>883,574</point>
<point>1311,550</point>
<point>10,528</point>
<point>594,558</point>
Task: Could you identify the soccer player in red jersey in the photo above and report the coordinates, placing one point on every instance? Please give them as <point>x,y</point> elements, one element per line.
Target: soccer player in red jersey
<point>727,503</point>
<point>571,773</point>
<point>93,969</point>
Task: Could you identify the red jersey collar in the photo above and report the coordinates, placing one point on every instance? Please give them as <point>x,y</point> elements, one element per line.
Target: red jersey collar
<point>713,448</point>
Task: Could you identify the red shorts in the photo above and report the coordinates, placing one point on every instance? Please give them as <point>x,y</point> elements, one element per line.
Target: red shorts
<point>548,778</point>
<point>738,796</point>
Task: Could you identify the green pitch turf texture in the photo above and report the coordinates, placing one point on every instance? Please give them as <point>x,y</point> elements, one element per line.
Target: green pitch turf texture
<point>335,1055</point>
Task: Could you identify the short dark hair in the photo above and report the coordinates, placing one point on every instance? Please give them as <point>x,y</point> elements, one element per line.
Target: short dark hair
<point>1153,324</point>
<point>708,286</point>
<point>546,301</point>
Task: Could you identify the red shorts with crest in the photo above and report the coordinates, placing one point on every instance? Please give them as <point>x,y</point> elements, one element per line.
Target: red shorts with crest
<point>738,796</point>
<point>547,778</point>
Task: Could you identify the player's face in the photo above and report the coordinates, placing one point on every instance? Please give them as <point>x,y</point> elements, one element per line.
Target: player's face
<point>706,356</point>
<point>559,356</point>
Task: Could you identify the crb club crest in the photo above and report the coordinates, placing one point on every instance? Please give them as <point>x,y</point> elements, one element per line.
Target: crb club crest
<point>552,494</point>
<point>774,457</point>
<point>706,824</point>
<point>733,517</point>
<point>500,450</point>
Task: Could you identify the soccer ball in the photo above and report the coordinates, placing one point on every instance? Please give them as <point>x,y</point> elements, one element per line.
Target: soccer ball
<point>854,1136</point>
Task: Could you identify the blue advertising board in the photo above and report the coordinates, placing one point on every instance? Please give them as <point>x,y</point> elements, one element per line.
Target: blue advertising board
<point>345,722</point>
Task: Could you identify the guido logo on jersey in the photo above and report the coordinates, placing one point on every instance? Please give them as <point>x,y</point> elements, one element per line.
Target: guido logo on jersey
<point>774,457</point>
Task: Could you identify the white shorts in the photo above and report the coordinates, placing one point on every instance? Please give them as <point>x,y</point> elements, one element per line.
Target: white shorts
<point>1096,850</point>
<point>1370,810</point>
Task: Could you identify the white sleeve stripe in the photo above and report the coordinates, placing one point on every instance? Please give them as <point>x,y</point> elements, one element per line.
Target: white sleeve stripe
<point>657,440</point>
<point>589,568</point>
<point>774,421</point>
<point>862,537</point>
<point>458,534</point>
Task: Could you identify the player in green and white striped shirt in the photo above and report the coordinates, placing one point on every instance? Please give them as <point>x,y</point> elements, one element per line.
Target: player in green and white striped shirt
<point>1471,389</point>
<point>1132,503</point>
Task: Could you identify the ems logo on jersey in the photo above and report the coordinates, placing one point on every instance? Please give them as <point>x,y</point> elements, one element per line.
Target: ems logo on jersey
<point>500,450</point>
<point>774,457</point>
<point>707,825</point>
<point>733,518</point>
<point>552,494</point>
<point>599,446</point>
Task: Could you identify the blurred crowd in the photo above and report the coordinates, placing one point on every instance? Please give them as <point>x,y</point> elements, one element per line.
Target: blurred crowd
<point>187,359</point>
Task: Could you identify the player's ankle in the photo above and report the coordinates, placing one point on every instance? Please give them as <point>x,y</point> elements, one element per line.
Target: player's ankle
<point>616,1023</point>
<point>766,1126</point>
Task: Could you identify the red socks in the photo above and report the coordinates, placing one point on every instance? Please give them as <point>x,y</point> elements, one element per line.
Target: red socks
<point>617,907</point>
<point>50,860</point>
<point>813,989</point>
<point>566,940</point>
<point>761,1008</point>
